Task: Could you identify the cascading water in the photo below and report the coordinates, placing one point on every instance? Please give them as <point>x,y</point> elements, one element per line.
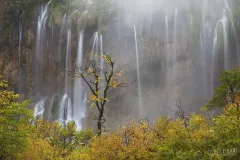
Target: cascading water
<point>40,44</point>
<point>68,61</point>
<point>173,57</point>
<point>62,109</point>
<point>39,108</point>
<point>183,44</point>
<point>94,46</point>
<point>63,30</point>
<point>168,59</point>
<point>49,113</point>
<point>203,48</point>
<point>65,109</point>
<point>101,64</point>
<point>101,51</point>
<point>138,74</point>
<point>41,33</point>
<point>79,107</point>
<point>232,24</point>
<point>19,51</point>
<point>224,23</point>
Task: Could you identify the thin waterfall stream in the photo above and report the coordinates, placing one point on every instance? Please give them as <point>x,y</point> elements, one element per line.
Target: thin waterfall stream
<point>138,74</point>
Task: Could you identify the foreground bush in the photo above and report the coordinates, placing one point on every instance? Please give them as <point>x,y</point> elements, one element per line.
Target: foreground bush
<point>15,120</point>
<point>193,137</point>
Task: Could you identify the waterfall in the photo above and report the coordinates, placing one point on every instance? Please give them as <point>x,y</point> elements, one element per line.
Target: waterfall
<point>168,59</point>
<point>65,110</point>
<point>78,105</point>
<point>69,110</point>
<point>49,114</point>
<point>68,60</point>
<point>39,108</point>
<point>233,26</point>
<point>175,61</point>
<point>101,84</point>
<point>19,53</point>
<point>101,51</point>
<point>61,110</point>
<point>41,33</point>
<point>41,38</point>
<point>94,46</point>
<point>203,47</point>
<point>63,30</point>
<point>225,35</point>
<point>224,22</point>
<point>138,74</point>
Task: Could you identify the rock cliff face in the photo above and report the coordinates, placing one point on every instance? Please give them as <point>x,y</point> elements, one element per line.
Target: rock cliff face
<point>173,64</point>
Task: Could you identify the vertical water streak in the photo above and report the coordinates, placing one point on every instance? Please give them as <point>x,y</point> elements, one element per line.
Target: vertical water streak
<point>19,52</point>
<point>203,48</point>
<point>49,114</point>
<point>79,107</point>
<point>101,85</point>
<point>69,110</point>
<point>94,46</point>
<point>233,26</point>
<point>39,108</point>
<point>61,110</point>
<point>225,35</point>
<point>68,60</point>
<point>63,30</point>
<point>167,39</point>
<point>224,23</point>
<point>41,29</point>
<point>214,58</point>
<point>168,59</point>
<point>65,103</point>
<point>138,73</point>
<point>39,56</point>
<point>101,52</point>
<point>174,73</point>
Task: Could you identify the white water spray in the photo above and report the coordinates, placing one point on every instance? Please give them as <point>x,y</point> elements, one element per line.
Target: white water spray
<point>40,42</point>
<point>19,52</point>
<point>138,74</point>
<point>94,46</point>
<point>78,105</point>
<point>39,109</point>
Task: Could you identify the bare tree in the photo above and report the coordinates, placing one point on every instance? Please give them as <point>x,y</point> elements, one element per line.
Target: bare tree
<point>180,112</point>
<point>100,79</point>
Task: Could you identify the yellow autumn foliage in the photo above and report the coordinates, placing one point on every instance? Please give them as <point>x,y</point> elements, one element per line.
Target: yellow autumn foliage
<point>130,142</point>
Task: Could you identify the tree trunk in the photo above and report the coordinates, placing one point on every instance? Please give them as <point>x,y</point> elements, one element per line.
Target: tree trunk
<point>99,125</point>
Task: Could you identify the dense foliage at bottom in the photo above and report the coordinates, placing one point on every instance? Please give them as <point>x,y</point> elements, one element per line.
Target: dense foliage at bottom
<point>192,137</point>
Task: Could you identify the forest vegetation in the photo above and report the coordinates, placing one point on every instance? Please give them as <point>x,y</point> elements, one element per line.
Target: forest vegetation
<point>193,136</point>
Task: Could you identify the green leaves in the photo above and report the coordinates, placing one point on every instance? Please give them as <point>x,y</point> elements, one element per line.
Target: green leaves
<point>15,120</point>
<point>228,90</point>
